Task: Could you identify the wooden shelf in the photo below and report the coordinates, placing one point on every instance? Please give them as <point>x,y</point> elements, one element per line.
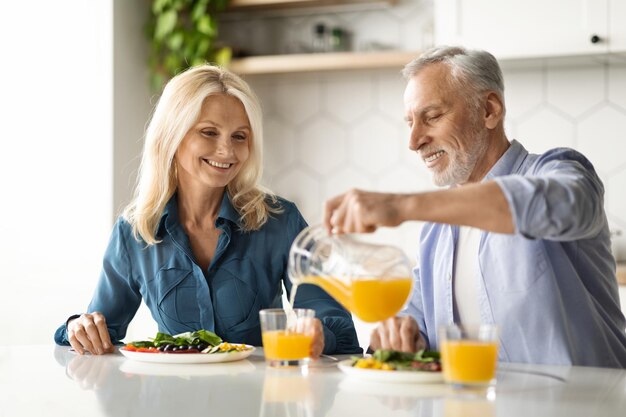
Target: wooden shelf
<point>333,61</point>
<point>242,5</point>
<point>621,273</point>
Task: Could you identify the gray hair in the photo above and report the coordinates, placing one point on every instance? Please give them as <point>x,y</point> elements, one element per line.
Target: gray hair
<point>475,70</point>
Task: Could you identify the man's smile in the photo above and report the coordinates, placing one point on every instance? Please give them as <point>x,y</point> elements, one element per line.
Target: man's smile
<point>431,159</point>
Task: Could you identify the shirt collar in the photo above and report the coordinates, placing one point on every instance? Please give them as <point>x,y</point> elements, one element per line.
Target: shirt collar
<point>509,162</point>
<point>170,220</point>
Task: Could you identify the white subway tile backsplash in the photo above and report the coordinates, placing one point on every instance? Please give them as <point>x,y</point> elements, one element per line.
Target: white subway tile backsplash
<point>343,180</point>
<point>523,92</point>
<point>303,188</point>
<point>347,98</point>
<point>296,102</point>
<point>602,138</point>
<point>373,144</point>
<point>575,90</point>
<point>322,146</point>
<point>545,128</point>
<point>280,146</point>
<point>617,85</point>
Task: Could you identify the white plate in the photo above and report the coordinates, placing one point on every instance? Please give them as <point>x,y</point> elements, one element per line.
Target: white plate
<point>188,357</point>
<point>378,375</point>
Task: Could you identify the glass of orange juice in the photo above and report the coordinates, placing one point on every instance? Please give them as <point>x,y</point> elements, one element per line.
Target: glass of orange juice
<point>469,355</point>
<point>287,336</point>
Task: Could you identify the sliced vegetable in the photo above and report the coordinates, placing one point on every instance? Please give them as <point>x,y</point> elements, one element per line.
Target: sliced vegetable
<point>393,360</point>
<point>201,341</point>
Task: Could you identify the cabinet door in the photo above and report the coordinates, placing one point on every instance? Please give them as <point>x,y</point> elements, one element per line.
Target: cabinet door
<point>529,28</point>
<point>617,26</point>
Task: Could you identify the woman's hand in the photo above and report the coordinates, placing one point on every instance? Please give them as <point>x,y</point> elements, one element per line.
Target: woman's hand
<point>312,327</point>
<point>89,333</point>
<point>317,345</point>
<point>398,333</point>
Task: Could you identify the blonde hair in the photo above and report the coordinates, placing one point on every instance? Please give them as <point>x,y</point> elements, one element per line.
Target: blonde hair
<point>177,111</point>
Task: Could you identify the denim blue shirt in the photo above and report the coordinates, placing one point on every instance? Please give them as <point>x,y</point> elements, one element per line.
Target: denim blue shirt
<point>551,286</point>
<point>244,276</point>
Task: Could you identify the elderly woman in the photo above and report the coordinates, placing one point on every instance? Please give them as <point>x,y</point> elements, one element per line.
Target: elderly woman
<point>202,243</point>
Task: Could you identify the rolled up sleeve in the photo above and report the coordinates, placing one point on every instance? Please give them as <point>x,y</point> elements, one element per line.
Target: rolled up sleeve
<point>561,198</point>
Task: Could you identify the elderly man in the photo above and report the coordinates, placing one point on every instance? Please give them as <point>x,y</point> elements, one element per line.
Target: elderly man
<point>518,239</point>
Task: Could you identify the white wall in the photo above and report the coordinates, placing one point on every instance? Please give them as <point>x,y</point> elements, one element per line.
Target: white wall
<point>132,104</point>
<point>55,130</point>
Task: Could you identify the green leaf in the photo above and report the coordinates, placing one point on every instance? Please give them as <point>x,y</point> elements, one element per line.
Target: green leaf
<point>175,40</point>
<point>162,338</point>
<point>159,5</point>
<point>199,9</point>
<point>383,355</point>
<point>223,56</point>
<point>197,61</point>
<point>172,63</point>
<point>178,4</point>
<point>203,47</point>
<point>206,26</point>
<point>143,343</point>
<point>208,337</point>
<point>165,24</point>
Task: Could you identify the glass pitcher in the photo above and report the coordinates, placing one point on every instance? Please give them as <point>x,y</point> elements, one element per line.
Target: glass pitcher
<point>372,281</point>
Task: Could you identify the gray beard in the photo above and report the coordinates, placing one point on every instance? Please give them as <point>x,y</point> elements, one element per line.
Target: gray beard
<point>461,166</point>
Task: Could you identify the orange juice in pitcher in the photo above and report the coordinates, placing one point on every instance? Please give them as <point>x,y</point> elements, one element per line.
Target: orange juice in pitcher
<point>371,281</point>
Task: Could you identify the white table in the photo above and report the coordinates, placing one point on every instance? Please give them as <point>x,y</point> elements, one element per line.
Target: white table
<point>52,381</point>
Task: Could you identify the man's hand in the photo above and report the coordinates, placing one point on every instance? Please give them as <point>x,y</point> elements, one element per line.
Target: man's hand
<point>89,332</point>
<point>362,212</point>
<point>398,333</point>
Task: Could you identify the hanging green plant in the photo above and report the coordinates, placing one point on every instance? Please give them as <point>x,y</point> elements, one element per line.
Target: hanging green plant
<point>183,34</point>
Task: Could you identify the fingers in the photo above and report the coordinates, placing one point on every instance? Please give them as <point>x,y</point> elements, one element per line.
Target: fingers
<point>407,334</point>
<point>347,213</point>
<point>329,209</point>
<point>396,333</point>
<point>103,332</point>
<point>84,333</point>
<point>317,332</point>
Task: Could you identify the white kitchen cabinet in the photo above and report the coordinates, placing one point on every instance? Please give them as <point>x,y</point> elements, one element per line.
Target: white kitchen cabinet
<point>617,26</point>
<point>533,28</point>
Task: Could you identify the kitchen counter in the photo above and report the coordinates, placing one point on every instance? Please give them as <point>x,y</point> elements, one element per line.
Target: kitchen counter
<point>53,381</point>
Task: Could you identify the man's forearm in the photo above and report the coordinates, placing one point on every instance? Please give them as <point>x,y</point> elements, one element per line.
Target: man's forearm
<point>481,205</point>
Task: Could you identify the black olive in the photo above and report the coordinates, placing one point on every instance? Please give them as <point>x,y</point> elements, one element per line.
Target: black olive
<point>161,348</point>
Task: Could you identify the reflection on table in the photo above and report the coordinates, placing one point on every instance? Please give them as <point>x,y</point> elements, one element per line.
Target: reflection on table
<point>32,382</point>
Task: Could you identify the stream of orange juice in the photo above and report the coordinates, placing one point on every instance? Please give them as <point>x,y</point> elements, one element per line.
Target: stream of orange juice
<point>469,361</point>
<point>370,300</point>
<point>283,345</point>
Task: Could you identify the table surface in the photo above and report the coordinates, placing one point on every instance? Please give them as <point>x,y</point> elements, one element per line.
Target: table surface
<point>53,381</point>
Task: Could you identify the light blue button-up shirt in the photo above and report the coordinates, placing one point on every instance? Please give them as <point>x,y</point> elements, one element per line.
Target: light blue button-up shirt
<point>551,286</point>
<point>245,276</point>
